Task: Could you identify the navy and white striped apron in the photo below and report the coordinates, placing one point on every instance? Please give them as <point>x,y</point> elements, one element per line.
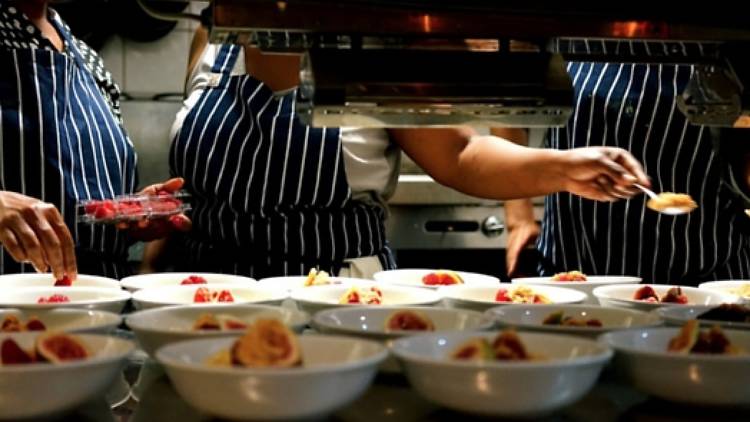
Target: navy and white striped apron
<point>270,194</point>
<point>632,106</point>
<point>59,142</point>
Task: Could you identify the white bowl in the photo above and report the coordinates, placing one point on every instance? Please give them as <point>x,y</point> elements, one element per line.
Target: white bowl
<point>325,297</point>
<point>138,282</point>
<point>158,327</point>
<point>502,388</point>
<point>728,287</point>
<point>43,388</point>
<point>483,298</point>
<point>69,320</point>
<point>530,317</point>
<point>296,282</point>
<point>688,378</point>
<point>96,298</point>
<point>621,296</point>
<point>413,277</point>
<point>679,315</point>
<point>155,297</point>
<point>48,280</point>
<point>335,371</point>
<point>369,321</point>
<point>587,286</point>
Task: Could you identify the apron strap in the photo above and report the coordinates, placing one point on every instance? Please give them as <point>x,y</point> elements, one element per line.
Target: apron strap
<point>222,68</point>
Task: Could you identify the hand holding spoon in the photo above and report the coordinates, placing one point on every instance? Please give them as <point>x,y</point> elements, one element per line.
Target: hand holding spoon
<point>668,202</point>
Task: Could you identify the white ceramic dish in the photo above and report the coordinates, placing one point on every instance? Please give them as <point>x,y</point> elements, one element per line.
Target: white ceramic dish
<point>48,280</point>
<point>587,286</point>
<point>40,389</point>
<point>502,388</point>
<point>145,281</point>
<point>335,371</point>
<point>621,296</point>
<point>679,315</point>
<point>412,277</point>
<point>739,288</point>
<point>531,317</point>
<point>296,282</point>
<point>96,298</point>
<point>688,378</point>
<point>158,327</point>
<point>155,297</point>
<point>483,298</point>
<point>69,320</point>
<point>325,297</point>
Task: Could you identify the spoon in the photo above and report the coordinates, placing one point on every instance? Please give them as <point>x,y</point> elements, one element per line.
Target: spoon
<point>657,200</point>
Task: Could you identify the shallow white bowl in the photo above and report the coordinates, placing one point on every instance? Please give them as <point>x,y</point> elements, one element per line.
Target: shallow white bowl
<point>369,321</point>
<point>413,277</point>
<point>335,371</point>
<point>621,296</point>
<point>530,317</point>
<point>483,298</point>
<point>689,378</point>
<point>48,280</point>
<point>296,282</point>
<point>500,388</point>
<point>325,297</point>
<point>587,286</point>
<point>158,327</point>
<point>155,297</point>
<point>679,315</point>
<point>69,320</point>
<point>44,388</point>
<point>96,298</point>
<point>145,281</point>
<point>727,287</point>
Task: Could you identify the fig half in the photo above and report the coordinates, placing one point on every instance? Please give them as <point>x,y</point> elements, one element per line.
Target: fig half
<point>474,349</point>
<point>409,320</point>
<point>267,343</point>
<point>59,347</point>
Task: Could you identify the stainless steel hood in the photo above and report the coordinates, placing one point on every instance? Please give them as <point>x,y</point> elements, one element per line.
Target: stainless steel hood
<point>375,63</point>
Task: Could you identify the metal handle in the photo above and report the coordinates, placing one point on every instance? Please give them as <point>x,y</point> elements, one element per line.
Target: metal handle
<point>492,226</point>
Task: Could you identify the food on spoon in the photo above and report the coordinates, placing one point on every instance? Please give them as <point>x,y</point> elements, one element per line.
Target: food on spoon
<point>12,323</point>
<point>55,298</point>
<point>362,295</point>
<point>569,276</point>
<point>727,312</point>
<point>65,281</point>
<point>666,200</point>
<point>520,294</point>
<point>267,343</point>
<point>691,340</point>
<point>208,321</point>
<point>409,321</point>
<point>194,279</point>
<point>442,278</point>
<point>205,295</point>
<point>559,318</point>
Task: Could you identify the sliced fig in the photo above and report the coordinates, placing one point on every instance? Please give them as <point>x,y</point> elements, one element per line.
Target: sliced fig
<point>13,354</point>
<point>675,295</point>
<point>193,279</point>
<point>225,296</point>
<point>65,281</point>
<point>206,322</point>
<point>685,339</point>
<point>503,296</point>
<point>646,293</point>
<point>474,349</point>
<point>409,320</point>
<point>230,323</point>
<point>267,343</point>
<point>35,324</point>
<point>11,324</point>
<point>508,346</point>
<point>59,347</point>
<point>202,295</point>
<point>555,318</point>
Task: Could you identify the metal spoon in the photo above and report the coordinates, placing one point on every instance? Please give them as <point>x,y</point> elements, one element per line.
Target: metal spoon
<point>667,210</point>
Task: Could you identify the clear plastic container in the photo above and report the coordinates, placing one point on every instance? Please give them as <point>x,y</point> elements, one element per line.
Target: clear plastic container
<point>127,208</point>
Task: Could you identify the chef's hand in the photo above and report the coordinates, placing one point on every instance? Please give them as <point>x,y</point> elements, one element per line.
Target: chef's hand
<point>147,230</point>
<point>602,173</point>
<point>523,230</point>
<point>34,231</point>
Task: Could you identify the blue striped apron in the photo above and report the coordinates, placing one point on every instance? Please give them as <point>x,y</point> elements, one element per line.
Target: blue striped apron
<point>632,106</point>
<point>59,142</point>
<point>270,195</point>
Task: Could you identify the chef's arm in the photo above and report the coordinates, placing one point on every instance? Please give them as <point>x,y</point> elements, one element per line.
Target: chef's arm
<point>494,168</point>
